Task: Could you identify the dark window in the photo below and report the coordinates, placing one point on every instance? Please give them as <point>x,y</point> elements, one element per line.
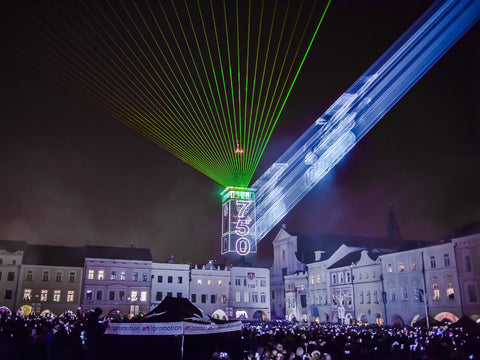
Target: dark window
<point>169,294</point>
<point>204,298</point>
<point>159,278</point>
<point>58,277</point>
<point>89,294</point>
<point>45,276</point>
<point>468,264</point>
<point>170,279</point>
<point>144,277</point>
<point>159,296</point>
<point>179,294</point>
<point>284,272</point>
<point>8,294</point>
<point>99,294</point>
<point>472,294</point>
<point>111,295</point>
<point>194,298</point>
<point>273,294</point>
<point>180,280</point>
<point>72,276</point>
<point>303,300</point>
<point>213,299</point>
<point>135,276</point>
<point>121,295</point>
<point>29,275</point>
<point>11,276</point>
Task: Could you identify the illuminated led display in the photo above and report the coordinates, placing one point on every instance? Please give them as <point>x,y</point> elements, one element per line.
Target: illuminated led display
<point>327,141</point>
<point>238,225</point>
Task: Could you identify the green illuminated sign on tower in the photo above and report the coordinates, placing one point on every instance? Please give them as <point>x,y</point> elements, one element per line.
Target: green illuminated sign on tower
<point>238,221</point>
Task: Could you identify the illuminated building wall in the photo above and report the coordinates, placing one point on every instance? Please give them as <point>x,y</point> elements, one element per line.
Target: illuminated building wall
<point>169,280</point>
<point>11,254</point>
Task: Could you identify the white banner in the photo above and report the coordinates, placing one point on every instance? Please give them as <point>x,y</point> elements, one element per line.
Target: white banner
<point>202,329</point>
<point>173,328</point>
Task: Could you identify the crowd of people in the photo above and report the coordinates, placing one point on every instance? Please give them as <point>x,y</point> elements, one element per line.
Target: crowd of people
<point>79,336</point>
<point>288,341</point>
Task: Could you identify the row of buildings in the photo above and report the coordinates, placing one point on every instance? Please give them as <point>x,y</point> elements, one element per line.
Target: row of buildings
<point>365,280</point>
<point>122,281</point>
<point>325,278</point>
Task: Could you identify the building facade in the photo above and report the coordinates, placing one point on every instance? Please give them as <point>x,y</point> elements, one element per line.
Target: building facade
<point>50,279</point>
<point>467,255</point>
<point>11,256</point>
<point>169,279</point>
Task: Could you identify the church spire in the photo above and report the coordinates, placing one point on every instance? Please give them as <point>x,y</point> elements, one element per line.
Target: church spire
<point>392,227</point>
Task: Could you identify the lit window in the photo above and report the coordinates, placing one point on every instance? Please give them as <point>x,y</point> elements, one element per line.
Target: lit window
<point>113,275</point>
<point>56,295</point>
<point>319,279</point>
<point>27,294</point>
<point>312,280</point>
<point>238,296</point>
<point>101,274</point>
<point>389,268</point>
<point>446,260</point>
<point>123,275</point>
<point>401,267</point>
<point>209,282</point>
<point>43,295</point>
<point>433,263</point>
<point>70,295</point>
<point>450,291</point>
<point>89,295</point>
<point>134,296</point>
<point>199,282</point>
<point>436,292</point>
<point>91,274</point>
<point>143,296</point>
<point>220,282</point>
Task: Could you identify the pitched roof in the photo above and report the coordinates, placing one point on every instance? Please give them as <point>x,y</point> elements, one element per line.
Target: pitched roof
<point>307,244</point>
<point>12,246</point>
<point>121,253</point>
<point>53,255</point>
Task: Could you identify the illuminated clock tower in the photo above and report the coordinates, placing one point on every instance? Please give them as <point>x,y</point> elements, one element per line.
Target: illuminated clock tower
<point>238,221</point>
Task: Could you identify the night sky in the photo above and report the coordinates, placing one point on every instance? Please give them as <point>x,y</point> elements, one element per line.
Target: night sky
<point>72,175</point>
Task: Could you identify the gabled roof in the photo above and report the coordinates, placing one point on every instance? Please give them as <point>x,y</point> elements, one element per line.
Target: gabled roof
<point>12,246</point>
<point>120,253</point>
<point>347,260</point>
<point>53,255</point>
<point>307,244</point>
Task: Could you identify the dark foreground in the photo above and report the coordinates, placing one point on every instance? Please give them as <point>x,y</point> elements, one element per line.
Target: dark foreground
<point>83,338</point>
